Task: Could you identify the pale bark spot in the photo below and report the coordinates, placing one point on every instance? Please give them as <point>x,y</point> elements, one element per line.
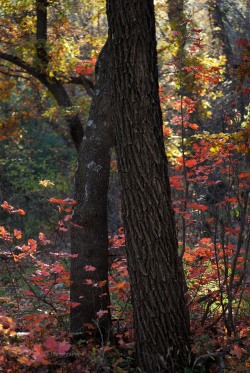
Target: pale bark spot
<point>91,123</point>
<point>94,167</point>
<point>86,194</point>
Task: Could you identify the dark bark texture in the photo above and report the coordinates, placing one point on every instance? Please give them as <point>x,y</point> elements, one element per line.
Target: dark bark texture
<point>160,311</point>
<point>89,224</point>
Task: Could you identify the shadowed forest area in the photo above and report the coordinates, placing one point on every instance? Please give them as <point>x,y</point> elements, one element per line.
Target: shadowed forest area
<point>124,186</point>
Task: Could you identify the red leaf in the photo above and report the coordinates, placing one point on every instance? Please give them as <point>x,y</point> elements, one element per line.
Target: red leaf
<point>79,69</point>
<point>73,255</point>
<point>89,268</point>
<point>88,71</point>
<point>83,70</point>
<point>27,292</point>
<point>63,347</point>
<point>231,200</point>
<point>198,30</point>
<point>50,343</point>
<point>190,163</point>
<point>176,181</point>
<point>101,313</point>
<point>196,206</point>
<point>237,351</point>
<point>88,281</point>
<point>60,347</point>
<point>74,304</point>
<point>176,120</point>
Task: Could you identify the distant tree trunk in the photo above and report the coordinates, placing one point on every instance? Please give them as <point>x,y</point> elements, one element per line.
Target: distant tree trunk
<point>89,235</point>
<point>177,22</point>
<point>219,31</point>
<point>157,281</point>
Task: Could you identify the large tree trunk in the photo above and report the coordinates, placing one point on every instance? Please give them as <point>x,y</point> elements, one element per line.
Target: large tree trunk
<point>160,311</point>
<point>89,224</point>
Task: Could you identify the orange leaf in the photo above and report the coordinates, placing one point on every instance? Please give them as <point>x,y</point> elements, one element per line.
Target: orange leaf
<point>194,126</point>
<point>66,201</point>
<point>205,240</point>
<point>32,244</point>
<point>231,200</point>
<point>19,211</point>
<point>102,283</point>
<point>242,175</point>
<point>166,131</point>
<point>89,326</point>
<point>6,206</point>
<point>108,348</point>
<point>17,234</point>
<point>121,285</point>
<point>38,349</point>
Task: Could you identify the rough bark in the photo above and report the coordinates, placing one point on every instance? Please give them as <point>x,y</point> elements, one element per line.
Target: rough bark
<point>89,234</point>
<point>160,311</point>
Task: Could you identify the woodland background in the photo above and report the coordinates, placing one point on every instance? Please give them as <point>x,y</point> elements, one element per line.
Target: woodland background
<point>204,66</point>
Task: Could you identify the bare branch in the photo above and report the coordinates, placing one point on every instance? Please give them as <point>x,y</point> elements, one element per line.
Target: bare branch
<point>82,80</point>
<point>23,65</point>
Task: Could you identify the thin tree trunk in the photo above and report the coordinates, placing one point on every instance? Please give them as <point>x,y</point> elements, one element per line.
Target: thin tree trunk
<point>89,236</point>
<point>157,281</point>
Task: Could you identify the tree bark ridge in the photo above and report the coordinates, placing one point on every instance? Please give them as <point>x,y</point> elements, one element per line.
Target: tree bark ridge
<point>157,281</point>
